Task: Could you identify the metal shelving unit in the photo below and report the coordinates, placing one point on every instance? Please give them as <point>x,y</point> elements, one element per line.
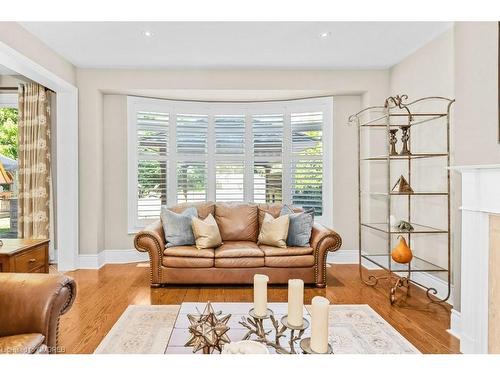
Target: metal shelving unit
<point>395,113</point>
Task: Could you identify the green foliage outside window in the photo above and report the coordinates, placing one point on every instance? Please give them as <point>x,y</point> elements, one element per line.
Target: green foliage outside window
<point>8,132</point>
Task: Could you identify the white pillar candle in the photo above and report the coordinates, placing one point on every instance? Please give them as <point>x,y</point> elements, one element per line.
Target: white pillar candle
<point>260,294</point>
<point>319,324</point>
<point>295,301</point>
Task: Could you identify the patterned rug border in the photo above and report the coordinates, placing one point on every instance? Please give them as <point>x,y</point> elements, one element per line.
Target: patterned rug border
<point>120,324</point>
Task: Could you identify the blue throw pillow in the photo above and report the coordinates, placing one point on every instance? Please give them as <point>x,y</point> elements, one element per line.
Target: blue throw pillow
<point>177,227</point>
<point>300,228</point>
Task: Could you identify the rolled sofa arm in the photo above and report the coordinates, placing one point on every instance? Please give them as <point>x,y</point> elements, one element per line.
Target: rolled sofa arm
<point>33,303</point>
<point>323,240</point>
<point>151,240</point>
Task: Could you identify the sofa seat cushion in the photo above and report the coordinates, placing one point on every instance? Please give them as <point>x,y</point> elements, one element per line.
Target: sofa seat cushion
<point>243,262</point>
<point>290,261</point>
<point>187,262</point>
<point>27,343</point>
<point>271,251</point>
<point>238,249</point>
<point>189,252</point>
<point>237,221</point>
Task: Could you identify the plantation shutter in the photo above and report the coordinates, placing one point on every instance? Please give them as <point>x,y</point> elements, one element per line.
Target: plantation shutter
<point>191,156</point>
<point>152,152</point>
<point>229,181</point>
<point>271,152</point>
<point>267,132</point>
<point>268,181</point>
<point>229,157</point>
<point>229,134</point>
<point>307,160</point>
<point>191,181</point>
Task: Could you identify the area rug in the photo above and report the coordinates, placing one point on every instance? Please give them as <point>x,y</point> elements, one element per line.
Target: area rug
<point>354,329</point>
<point>140,330</point>
<point>358,329</point>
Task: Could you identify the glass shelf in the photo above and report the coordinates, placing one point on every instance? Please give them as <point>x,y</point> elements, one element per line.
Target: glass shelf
<point>417,228</point>
<point>406,157</point>
<point>404,194</point>
<point>424,117</point>
<point>416,265</point>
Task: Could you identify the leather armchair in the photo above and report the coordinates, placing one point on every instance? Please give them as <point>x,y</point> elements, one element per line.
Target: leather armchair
<point>30,307</point>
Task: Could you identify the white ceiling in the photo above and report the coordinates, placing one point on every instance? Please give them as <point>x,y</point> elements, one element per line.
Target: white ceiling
<point>351,45</point>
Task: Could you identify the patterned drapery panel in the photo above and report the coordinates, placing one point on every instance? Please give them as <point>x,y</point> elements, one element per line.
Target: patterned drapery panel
<point>34,161</point>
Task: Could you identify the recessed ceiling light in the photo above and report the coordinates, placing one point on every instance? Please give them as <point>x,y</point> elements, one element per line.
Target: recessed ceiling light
<point>147,33</point>
<point>325,35</point>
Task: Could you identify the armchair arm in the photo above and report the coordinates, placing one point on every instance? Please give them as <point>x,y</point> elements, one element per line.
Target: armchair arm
<point>323,240</point>
<point>33,303</point>
<point>151,240</point>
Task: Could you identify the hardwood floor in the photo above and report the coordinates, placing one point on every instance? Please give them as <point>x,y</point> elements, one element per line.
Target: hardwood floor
<point>104,294</point>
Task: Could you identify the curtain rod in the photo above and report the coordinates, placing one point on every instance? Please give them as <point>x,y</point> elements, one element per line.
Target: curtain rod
<point>8,88</point>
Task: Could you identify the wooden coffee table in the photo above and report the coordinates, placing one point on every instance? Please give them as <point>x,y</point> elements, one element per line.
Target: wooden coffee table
<point>180,332</point>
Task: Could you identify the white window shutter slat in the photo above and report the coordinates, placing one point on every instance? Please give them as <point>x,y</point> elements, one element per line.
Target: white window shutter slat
<point>307,163</point>
<point>229,181</point>
<point>152,150</point>
<point>191,181</point>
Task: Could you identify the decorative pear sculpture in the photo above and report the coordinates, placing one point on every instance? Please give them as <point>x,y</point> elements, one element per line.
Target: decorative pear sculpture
<point>402,252</point>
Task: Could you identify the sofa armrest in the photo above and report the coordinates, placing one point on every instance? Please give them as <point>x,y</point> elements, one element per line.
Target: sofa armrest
<point>33,303</point>
<point>151,240</point>
<point>323,240</point>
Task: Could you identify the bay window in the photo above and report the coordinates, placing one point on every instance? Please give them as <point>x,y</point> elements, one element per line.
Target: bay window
<point>263,152</point>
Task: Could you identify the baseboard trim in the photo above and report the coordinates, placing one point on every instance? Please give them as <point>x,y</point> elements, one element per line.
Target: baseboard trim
<point>96,261</point>
<point>455,324</point>
<point>424,278</point>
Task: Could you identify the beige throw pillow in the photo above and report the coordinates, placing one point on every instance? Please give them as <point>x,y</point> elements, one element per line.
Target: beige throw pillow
<point>274,231</point>
<point>206,232</point>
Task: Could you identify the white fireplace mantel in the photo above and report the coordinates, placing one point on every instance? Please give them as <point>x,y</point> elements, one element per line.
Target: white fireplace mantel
<point>480,199</point>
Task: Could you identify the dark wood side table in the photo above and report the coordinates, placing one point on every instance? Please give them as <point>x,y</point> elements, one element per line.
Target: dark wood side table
<point>28,256</point>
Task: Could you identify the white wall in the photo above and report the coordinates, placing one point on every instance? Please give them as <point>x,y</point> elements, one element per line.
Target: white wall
<point>462,64</point>
<point>103,190</point>
<point>430,72</point>
<point>115,159</point>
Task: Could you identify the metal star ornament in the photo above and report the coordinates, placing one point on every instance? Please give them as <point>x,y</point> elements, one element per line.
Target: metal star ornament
<point>208,330</point>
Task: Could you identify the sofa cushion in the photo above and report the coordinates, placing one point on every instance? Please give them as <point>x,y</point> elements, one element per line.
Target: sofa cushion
<point>177,227</point>
<point>274,210</point>
<point>237,221</point>
<point>203,208</point>
<point>26,343</point>
<point>274,231</point>
<point>271,251</point>
<point>301,223</point>
<point>238,249</point>
<point>187,262</point>
<point>189,252</point>
<point>290,261</point>
<point>244,262</point>
<point>206,232</point>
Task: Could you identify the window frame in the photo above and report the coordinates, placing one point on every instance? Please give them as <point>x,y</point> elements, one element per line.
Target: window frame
<point>212,109</point>
<point>11,100</point>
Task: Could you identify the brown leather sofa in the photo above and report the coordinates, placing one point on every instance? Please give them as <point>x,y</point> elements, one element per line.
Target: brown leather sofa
<point>30,307</point>
<point>239,257</point>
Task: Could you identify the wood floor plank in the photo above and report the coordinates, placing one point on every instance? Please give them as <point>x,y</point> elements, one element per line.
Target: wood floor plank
<point>104,294</point>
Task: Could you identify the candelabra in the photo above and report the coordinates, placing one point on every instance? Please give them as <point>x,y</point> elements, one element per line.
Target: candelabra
<point>255,326</point>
